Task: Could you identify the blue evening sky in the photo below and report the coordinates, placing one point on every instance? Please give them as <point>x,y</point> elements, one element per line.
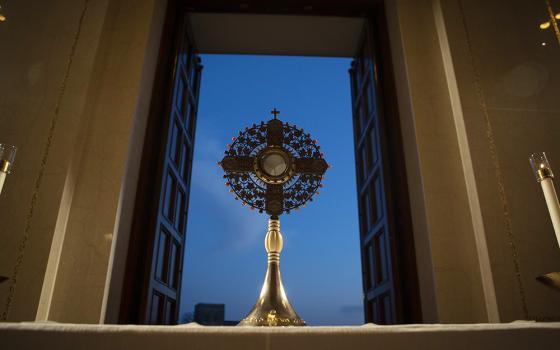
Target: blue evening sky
<point>225,259</point>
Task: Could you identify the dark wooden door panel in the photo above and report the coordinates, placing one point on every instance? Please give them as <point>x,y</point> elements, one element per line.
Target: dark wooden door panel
<point>152,285</point>
<point>378,259</point>
<point>164,278</point>
<point>390,281</point>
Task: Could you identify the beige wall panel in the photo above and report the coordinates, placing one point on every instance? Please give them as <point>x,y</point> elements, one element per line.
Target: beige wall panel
<point>74,77</point>
<point>436,179</point>
<point>109,164</point>
<point>40,112</point>
<point>507,81</point>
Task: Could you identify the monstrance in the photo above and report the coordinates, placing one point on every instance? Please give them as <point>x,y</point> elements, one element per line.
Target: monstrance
<point>273,167</point>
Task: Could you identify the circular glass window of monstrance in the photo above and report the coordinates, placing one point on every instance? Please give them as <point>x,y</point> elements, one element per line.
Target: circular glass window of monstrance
<point>274,164</point>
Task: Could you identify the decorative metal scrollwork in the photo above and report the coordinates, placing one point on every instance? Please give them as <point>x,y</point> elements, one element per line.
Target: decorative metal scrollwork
<point>274,167</point>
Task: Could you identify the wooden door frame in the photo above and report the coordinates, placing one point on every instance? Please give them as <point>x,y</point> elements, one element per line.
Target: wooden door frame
<point>407,288</point>
<point>140,247</point>
<point>140,244</point>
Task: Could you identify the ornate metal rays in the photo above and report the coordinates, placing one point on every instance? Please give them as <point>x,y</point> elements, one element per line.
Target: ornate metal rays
<point>274,166</point>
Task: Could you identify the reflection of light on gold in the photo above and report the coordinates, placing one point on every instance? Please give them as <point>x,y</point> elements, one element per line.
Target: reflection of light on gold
<point>546,25</point>
<point>271,318</point>
<point>553,20</point>
<point>543,44</point>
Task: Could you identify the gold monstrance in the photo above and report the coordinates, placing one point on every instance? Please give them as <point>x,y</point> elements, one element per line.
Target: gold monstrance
<point>273,167</point>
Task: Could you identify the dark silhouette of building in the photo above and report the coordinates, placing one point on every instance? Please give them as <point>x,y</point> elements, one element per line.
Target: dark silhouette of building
<point>211,315</point>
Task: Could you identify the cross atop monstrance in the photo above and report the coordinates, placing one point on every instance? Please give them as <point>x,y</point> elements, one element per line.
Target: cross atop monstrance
<point>275,113</point>
<point>274,167</point>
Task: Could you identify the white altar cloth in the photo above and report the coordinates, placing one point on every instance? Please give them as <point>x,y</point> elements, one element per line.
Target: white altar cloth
<point>60,336</point>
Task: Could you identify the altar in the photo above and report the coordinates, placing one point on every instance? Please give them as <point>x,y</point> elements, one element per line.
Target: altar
<point>511,336</point>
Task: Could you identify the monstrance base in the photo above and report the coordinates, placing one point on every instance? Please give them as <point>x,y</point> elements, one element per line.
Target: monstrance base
<point>273,309</point>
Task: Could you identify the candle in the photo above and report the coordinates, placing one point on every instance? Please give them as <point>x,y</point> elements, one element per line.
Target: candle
<point>7,156</point>
<point>544,175</point>
<point>2,179</point>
